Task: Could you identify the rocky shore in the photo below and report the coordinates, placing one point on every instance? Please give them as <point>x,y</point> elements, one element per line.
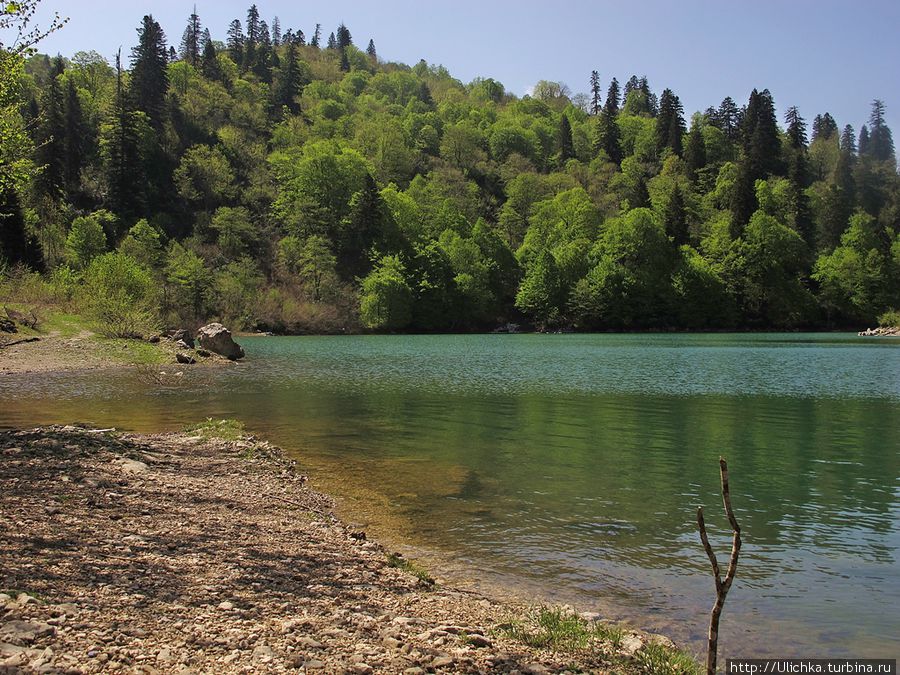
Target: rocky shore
<point>186,553</point>
<point>882,331</point>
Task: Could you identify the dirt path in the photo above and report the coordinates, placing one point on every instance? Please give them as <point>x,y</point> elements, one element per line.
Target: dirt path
<point>174,554</point>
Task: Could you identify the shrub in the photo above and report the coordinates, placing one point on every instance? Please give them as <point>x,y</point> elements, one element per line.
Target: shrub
<point>120,296</point>
<point>85,242</point>
<point>890,319</point>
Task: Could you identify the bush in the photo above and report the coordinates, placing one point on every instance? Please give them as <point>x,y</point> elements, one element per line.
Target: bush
<point>120,296</point>
<point>85,242</point>
<point>890,319</point>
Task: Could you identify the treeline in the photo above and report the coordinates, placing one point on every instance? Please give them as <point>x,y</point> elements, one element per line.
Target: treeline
<point>275,182</point>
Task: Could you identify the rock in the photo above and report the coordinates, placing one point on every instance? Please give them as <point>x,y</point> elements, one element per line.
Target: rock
<point>361,669</point>
<point>182,344</point>
<point>414,671</point>
<point>132,466</point>
<point>25,631</point>
<point>442,662</point>
<point>309,643</point>
<point>164,655</point>
<point>263,654</point>
<point>153,339</point>
<point>535,669</point>
<point>8,326</point>
<point>226,606</point>
<point>216,338</point>
<point>183,335</point>
<point>661,640</point>
<point>205,353</point>
<point>631,644</point>
<point>478,641</point>
<point>314,664</point>
<point>185,358</point>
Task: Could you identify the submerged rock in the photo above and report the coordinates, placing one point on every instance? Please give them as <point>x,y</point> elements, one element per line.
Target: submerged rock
<point>216,338</point>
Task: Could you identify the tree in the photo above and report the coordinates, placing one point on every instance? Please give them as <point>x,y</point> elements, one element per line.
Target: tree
<point>189,282</point>
<point>204,177</point>
<point>236,41</point>
<point>863,141</point>
<point>675,218</point>
<point>51,135</point>
<point>316,36</point>
<point>143,244</point>
<point>149,73</point>
<point>78,139</point>
<point>596,96</point>
<point>289,80</point>
<point>120,296</point>
<point>370,50</point>
<point>541,292</point>
<point>728,118</point>
<point>695,153</point>
<point>564,140</point>
<point>796,128</point>
<point>209,64</point>
<point>276,32</point>
<point>608,136</point>
<point>85,242</point>
<point>385,297</point>
<point>315,264</point>
<point>344,39</point>
<point>332,42</point>
<point>670,123</point>
<point>345,62</point>
<point>881,142</point>
<point>824,126</point>
<point>191,40</point>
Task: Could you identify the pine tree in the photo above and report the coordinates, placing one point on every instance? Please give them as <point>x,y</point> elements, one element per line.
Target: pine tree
<point>761,156</point>
<point>675,218</point>
<point>564,139</point>
<point>317,34</point>
<point>695,153</point>
<point>612,98</point>
<point>370,50</point>
<point>670,123</point>
<point>191,40</point>
<point>824,126</point>
<point>51,134</point>
<point>236,42</point>
<point>863,147</point>
<point>262,64</point>
<point>608,137</point>
<point>596,101</point>
<point>289,80</point>
<point>728,118</point>
<point>344,39</point>
<point>332,43</point>
<point>16,245</point>
<point>78,139</point>
<point>123,162</point>
<point>299,38</point>
<point>149,72</point>
<point>345,62</point>
<point>254,33</point>
<point>209,64</point>
<point>276,32</point>
<point>796,128</point>
<point>848,140</point>
<point>881,141</point>
<point>652,103</point>
<point>172,55</point>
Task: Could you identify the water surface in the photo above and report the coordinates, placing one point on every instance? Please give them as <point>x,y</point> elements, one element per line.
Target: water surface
<point>570,467</point>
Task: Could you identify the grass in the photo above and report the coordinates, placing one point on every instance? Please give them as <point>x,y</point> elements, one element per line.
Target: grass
<point>226,430</point>
<point>399,562</point>
<point>562,630</point>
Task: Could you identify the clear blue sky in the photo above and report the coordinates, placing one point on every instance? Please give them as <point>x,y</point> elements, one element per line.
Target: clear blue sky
<point>820,55</point>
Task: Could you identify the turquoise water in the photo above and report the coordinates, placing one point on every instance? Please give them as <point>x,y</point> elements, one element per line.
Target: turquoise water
<point>569,468</point>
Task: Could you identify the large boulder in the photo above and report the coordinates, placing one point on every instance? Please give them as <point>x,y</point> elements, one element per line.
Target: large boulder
<point>216,338</point>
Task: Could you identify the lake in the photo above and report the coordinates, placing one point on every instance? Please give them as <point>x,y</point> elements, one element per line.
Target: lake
<point>568,468</point>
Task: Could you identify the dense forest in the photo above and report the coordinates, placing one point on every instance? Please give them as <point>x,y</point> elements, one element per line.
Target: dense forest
<point>295,182</point>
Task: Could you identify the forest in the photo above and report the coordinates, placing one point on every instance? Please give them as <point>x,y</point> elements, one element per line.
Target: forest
<point>297,183</point>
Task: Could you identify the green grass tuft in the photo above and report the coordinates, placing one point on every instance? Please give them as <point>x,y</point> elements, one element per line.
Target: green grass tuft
<point>226,430</point>
<point>398,561</point>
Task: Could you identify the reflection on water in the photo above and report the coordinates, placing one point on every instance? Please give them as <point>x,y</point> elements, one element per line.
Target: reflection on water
<point>572,466</point>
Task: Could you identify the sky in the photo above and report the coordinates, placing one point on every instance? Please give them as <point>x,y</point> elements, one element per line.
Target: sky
<point>819,55</point>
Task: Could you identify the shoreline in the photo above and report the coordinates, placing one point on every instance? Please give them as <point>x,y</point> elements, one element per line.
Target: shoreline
<point>185,551</point>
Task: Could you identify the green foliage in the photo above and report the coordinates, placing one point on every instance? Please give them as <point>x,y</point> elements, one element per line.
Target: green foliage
<point>143,244</point>
<point>386,298</point>
<point>225,429</point>
<point>189,283</point>
<point>890,319</point>
<point>85,242</point>
<point>120,296</point>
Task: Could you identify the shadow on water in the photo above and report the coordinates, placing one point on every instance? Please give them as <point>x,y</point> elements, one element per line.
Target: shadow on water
<point>570,467</point>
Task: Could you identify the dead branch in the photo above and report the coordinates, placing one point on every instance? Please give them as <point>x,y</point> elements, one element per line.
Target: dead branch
<point>722,587</point>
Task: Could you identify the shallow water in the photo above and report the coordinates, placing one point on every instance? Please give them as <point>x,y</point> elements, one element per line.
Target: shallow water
<point>570,467</point>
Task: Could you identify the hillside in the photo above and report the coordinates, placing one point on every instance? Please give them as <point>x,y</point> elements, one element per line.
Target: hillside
<point>296,183</point>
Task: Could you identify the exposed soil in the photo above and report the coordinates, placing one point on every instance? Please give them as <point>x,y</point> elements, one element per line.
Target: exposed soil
<point>122,553</point>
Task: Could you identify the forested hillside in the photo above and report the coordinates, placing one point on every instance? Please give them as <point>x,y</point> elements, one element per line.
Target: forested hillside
<point>295,182</point>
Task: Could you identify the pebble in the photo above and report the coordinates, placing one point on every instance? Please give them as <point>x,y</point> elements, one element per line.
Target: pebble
<point>226,606</point>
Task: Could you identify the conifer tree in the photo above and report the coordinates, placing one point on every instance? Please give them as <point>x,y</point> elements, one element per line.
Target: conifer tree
<point>236,42</point>
<point>209,64</point>
<point>881,141</point>
<point>149,72</point>
<point>191,40</point>
<point>608,137</point>
<point>796,128</point>
<point>798,174</point>
<point>345,62</point>
<point>761,156</point>
<point>564,139</point>
<point>863,147</point>
<point>51,134</point>
<point>123,162</point>
<point>823,126</point>
<point>670,123</point>
<point>596,101</point>
<point>344,39</point>
<point>332,43</point>
<point>276,32</point>
<point>262,63</point>
<point>612,97</point>
<point>289,80</point>
<point>675,218</point>
<point>317,34</point>
<point>695,152</point>
<point>370,50</point>
<point>77,139</point>
<point>299,38</point>
<point>728,118</point>
<point>848,140</point>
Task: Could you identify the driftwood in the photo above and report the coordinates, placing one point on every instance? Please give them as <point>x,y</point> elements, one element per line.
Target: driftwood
<point>722,587</point>
<point>19,342</point>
